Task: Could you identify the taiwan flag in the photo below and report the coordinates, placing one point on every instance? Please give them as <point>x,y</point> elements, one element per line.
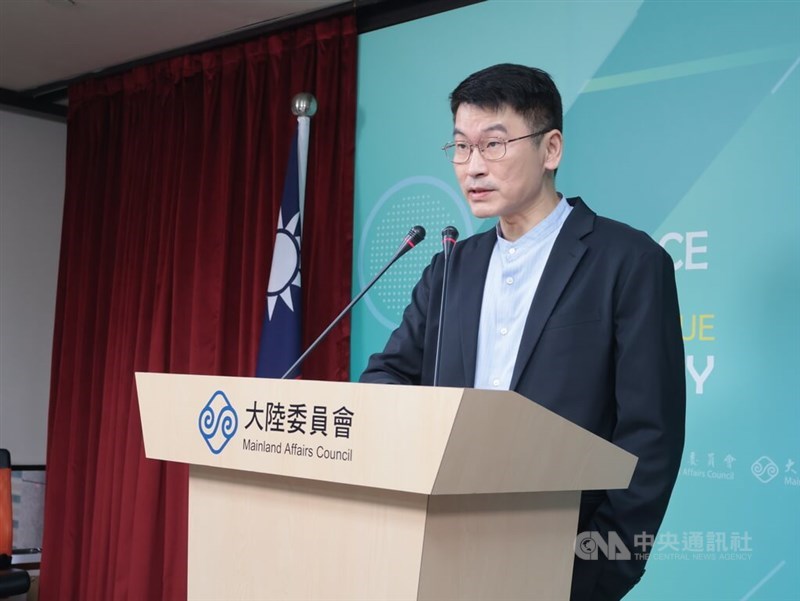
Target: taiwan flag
<point>280,333</point>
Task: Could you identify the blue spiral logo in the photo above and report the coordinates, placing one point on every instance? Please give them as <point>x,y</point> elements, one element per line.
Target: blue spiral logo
<point>218,422</point>
<point>764,469</point>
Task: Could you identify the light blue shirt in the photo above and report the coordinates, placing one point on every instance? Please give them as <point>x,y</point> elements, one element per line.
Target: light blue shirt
<point>515,270</point>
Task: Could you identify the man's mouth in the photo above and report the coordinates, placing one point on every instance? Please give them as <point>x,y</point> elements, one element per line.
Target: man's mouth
<point>478,192</point>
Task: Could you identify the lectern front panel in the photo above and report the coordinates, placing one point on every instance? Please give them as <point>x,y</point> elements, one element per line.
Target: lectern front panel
<point>296,539</point>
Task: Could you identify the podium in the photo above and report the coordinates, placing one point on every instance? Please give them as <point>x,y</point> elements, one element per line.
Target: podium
<point>330,490</point>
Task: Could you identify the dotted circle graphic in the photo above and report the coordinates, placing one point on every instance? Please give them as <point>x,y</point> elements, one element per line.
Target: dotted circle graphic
<point>419,200</point>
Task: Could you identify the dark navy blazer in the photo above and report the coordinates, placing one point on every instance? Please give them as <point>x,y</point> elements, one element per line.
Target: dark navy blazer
<point>602,347</point>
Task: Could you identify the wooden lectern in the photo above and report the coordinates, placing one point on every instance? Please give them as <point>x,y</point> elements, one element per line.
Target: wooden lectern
<point>326,490</point>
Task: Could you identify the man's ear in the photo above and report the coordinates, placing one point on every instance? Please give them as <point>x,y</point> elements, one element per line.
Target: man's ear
<point>553,146</point>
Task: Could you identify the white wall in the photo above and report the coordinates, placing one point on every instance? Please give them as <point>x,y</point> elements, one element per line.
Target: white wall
<point>32,167</point>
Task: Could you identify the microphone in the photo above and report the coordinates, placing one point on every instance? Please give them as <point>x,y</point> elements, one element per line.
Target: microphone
<point>415,235</point>
<point>449,237</point>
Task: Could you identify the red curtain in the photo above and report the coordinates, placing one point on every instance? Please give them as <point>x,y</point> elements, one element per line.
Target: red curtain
<point>174,177</point>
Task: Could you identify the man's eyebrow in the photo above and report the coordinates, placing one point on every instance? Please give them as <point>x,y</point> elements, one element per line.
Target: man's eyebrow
<point>496,127</point>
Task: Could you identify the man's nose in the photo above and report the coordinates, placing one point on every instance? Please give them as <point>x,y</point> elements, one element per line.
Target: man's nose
<point>476,165</point>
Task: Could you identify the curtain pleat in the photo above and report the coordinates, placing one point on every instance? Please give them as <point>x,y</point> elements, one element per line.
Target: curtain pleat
<point>174,179</point>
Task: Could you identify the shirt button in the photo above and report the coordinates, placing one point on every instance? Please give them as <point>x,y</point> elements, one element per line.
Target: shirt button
<point>512,251</point>
<point>504,331</point>
<point>496,382</point>
<point>509,280</point>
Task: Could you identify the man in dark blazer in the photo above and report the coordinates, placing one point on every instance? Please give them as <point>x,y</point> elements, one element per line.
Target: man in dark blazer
<point>576,312</point>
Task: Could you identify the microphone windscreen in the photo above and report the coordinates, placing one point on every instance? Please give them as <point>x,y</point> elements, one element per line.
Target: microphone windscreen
<point>416,235</point>
<point>450,233</point>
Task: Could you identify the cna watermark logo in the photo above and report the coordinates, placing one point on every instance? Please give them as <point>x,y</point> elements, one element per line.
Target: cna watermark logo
<point>589,545</point>
<point>690,545</point>
<point>218,422</point>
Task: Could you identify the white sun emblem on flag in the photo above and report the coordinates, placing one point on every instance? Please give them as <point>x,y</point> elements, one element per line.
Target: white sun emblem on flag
<point>285,271</point>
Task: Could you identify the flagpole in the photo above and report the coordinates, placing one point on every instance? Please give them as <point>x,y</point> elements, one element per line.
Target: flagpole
<point>281,332</point>
<point>304,106</point>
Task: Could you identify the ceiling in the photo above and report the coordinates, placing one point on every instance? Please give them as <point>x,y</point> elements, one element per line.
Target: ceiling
<point>47,41</point>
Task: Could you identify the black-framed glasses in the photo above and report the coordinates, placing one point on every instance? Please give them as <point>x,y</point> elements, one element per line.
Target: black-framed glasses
<point>491,149</point>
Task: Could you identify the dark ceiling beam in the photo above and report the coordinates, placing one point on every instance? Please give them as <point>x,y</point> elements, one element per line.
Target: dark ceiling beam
<point>19,103</point>
<point>377,14</point>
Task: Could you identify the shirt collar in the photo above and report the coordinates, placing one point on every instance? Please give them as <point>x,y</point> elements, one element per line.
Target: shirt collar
<point>541,230</point>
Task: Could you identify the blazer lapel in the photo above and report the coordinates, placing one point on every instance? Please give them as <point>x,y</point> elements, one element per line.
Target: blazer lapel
<point>567,253</point>
<point>473,263</point>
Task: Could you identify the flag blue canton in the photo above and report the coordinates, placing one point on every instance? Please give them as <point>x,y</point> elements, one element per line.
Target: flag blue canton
<point>280,341</point>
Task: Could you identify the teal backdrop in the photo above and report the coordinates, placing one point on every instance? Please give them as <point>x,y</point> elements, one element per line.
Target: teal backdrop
<point>683,120</point>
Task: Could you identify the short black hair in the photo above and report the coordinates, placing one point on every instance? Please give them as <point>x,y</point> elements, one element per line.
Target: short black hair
<point>527,90</point>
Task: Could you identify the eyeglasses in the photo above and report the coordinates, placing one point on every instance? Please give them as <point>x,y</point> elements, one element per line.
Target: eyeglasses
<point>491,149</point>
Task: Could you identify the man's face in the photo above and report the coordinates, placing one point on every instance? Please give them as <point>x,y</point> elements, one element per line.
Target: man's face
<point>514,185</point>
